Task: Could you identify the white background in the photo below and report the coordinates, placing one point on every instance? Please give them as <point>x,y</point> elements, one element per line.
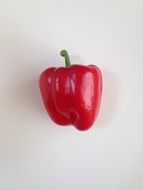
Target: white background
<point>35,153</point>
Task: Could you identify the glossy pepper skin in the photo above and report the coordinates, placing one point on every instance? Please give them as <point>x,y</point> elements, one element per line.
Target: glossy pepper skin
<point>72,94</point>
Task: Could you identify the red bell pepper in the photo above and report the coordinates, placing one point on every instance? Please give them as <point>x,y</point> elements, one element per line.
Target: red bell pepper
<point>72,94</point>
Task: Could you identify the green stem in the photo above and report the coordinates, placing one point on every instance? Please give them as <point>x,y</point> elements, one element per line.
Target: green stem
<point>65,54</point>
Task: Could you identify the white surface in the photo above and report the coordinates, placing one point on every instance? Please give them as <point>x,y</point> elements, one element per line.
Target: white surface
<point>34,152</point>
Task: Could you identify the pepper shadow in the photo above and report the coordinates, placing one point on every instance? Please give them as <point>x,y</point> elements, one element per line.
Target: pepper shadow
<point>110,98</point>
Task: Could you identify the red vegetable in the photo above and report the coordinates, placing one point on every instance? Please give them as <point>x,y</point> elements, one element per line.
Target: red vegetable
<point>72,94</point>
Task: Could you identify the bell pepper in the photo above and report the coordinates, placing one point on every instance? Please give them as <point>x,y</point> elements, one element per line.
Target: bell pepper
<point>72,94</point>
